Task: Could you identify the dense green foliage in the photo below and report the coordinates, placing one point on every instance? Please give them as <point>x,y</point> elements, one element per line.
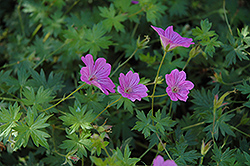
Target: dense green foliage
<point>41,45</point>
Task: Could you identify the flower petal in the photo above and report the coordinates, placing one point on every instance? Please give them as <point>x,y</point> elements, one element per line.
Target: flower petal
<point>169,163</point>
<point>133,79</point>
<point>171,94</point>
<point>158,161</point>
<point>158,30</point>
<point>101,68</point>
<point>88,60</point>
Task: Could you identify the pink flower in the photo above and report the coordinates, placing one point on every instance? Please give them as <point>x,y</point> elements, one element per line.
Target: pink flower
<point>135,2</point>
<point>178,87</point>
<point>159,161</point>
<point>171,38</point>
<point>129,87</point>
<point>97,74</point>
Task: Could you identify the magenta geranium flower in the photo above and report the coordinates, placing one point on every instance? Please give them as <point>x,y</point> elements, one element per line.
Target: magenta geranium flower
<point>159,161</point>
<point>130,88</point>
<point>97,74</point>
<point>178,87</point>
<point>171,38</point>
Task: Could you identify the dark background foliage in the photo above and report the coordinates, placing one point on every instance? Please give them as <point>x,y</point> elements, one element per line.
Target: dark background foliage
<point>41,44</point>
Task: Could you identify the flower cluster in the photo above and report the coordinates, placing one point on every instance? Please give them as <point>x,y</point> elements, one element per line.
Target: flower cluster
<point>97,73</point>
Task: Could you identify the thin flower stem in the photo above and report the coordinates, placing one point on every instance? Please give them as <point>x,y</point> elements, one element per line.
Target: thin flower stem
<point>148,149</point>
<point>240,131</point>
<point>9,99</point>
<point>170,108</point>
<point>12,64</point>
<point>20,18</point>
<point>224,9</point>
<point>105,109</point>
<point>191,126</point>
<point>75,3</point>
<point>142,9</point>
<point>159,95</point>
<point>155,83</point>
<point>106,151</point>
<point>124,62</point>
<point>65,97</point>
<point>186,63</point>
<point>164,147</point>
<point>234,109</point>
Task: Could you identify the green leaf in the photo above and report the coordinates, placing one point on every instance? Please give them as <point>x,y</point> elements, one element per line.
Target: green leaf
<point>42,96</point>
<point>54,24</point>
<point>79,143</point>
<point>220,125</point>
<point>124,159</point>
<point>235,47</point>
<point>53,82</point>
<point>245,88</point>
<point>33,128</point>
<point>79,117</point>
<point>94,40</point>
<point>144,123</point>
<point>154,11</point>
<point>207,38</point>
<point>163,122</point>
<point>223,158</point>
<point>178,7</point>
<point>112,20</point>
<point>8,119</point>
<point>184,157</point>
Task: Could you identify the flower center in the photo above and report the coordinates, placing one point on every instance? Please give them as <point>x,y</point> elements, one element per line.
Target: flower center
<point>128,90</point>
<point>93,77</point>
<point>175,89</point>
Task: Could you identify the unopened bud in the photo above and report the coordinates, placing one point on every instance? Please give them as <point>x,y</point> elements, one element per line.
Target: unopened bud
<point>205,147</point>
<point>194,51</point>
<point>142,44</point>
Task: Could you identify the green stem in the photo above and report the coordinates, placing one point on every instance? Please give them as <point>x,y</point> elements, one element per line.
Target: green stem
<point>20,19</point>
<point>105,109</point>
<point>156,79</point>
<point>164,147</point>
<point>187,63</point>
<point>224,9</point>
<point>170,108</point>
<point>124,62</point>
<point>201,160</point>
<point>240,131</point>
<point>75,3</point>
<point>65,97</point>
<point>146,152</point>
<point>10,99</point>
<point>12,64</point>
<point>194,125</point>
<point>159,95</point>
<point>234,109</point>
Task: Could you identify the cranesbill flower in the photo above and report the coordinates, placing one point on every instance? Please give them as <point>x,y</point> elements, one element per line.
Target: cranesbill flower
<point>130,88</point>
<point>159,161</point>
<point>97,74</point>
<point>178,87</point>
<point>171,38</point>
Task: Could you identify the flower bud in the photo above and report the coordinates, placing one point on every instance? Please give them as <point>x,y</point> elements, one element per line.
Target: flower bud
<point>205,147</point>
<point>142,44</point>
